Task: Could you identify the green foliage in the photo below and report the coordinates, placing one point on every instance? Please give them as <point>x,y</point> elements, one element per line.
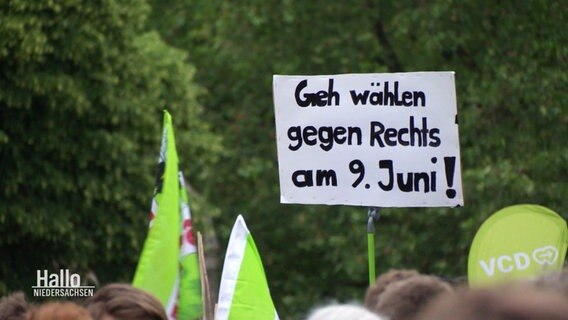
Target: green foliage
<point>82,86</point>
<point>82,89</point>
<point>507,57</point>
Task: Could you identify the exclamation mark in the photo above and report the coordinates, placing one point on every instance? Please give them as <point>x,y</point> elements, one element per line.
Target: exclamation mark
<point>450,163</point>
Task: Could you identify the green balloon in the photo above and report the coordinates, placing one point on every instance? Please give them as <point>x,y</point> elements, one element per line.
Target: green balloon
<point>517,242</point>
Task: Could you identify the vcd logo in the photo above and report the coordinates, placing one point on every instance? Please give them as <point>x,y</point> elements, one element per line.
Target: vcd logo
<point>520,260</point>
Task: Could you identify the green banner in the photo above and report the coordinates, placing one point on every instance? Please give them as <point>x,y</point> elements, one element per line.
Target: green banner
<point>244,292</point>
<point>517,242</point>
<point>157,269</point>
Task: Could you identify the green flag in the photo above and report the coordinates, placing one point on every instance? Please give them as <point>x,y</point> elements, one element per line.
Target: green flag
<point>244,292</point>
<point>517,242</point>
<point>168,266</point>
<point>189,300</point>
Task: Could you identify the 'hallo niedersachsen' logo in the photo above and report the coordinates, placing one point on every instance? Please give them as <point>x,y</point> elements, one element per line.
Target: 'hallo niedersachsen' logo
<point>62,284</point>
<point>545,256</point>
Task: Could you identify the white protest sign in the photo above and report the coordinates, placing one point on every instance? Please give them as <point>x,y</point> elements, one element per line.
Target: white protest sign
<point>384,140</point>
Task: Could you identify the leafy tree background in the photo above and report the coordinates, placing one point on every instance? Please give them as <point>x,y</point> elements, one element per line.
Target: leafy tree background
<point>82,88</point>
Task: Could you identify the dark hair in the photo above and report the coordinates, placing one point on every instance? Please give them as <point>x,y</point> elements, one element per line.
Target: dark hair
<point>14,307</point>
<point>556,281</point>
<point>122,301</point>
<point>503,303</point>
<point>372,296</point>
<point>404,299</point>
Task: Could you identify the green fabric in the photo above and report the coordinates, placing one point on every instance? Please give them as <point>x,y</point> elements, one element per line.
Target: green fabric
<point>252,300</point>
<point>189,304</point>
<point>157,268</point>
<point>517,242</point>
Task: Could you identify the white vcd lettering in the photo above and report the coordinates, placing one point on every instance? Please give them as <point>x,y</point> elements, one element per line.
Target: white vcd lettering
<point>522,260</point>
<point>489,269</point>
<point>519,261</point>
<point>501,265</point>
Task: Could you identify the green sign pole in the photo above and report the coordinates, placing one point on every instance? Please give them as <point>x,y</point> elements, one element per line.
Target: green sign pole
<point>373,215</point>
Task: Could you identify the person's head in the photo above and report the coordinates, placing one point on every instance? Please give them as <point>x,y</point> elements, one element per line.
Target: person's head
<point>404,299</point>
<point>59,311</point>
<point>122,301</point>
<point>14,307</point>
<point>553,281</point>
<point>503,303</point>
<point>394,275</point>
<point>343,312</point>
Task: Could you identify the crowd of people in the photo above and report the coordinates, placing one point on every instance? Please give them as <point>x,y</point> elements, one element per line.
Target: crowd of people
<point>396,295</point>
<point>409,295</point>
<point>111,302</point>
